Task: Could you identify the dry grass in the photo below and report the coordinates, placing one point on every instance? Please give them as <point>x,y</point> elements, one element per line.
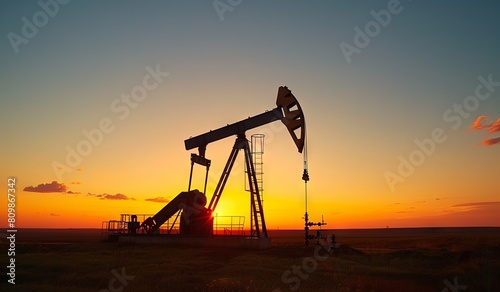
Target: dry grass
<point>370,262</point>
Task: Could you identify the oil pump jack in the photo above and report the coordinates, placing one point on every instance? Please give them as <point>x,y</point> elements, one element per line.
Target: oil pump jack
<point>199,219</point>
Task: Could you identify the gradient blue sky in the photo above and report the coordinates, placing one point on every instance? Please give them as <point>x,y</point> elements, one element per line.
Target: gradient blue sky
<point>361,116</point>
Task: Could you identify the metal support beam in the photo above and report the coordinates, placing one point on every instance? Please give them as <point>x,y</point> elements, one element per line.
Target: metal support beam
<point>201,141</point>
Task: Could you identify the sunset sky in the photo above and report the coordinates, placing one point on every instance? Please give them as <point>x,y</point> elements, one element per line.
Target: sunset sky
<point>401,101</point>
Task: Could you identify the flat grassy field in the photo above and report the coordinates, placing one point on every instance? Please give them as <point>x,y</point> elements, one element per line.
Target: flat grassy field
<point>420,259</point>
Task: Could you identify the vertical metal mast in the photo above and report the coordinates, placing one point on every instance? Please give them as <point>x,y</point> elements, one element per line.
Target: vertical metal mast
<point>305,177</point>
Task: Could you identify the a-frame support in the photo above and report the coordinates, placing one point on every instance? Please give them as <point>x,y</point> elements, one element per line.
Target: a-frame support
<point>257,222</point>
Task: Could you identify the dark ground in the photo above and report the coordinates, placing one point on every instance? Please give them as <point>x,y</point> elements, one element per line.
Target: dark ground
<point>417,259</point>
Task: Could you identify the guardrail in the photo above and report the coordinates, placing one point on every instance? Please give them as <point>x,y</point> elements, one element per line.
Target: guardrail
<point>229,225</point>
<point>223,225</point>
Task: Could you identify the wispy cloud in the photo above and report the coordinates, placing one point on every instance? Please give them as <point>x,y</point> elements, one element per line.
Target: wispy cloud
<point>478,124</point>
<point>472,206</point>
<point>53,187</point>
<point>158,200</point>
<point>494,127</point>
<point>73,193</point>
<point>476,204</point>
<point>491,141</point>
<point>117,196</point>
<point>453,215</point>
<point>483,123</point>
<point>53,214</point>
<point>76,183</point>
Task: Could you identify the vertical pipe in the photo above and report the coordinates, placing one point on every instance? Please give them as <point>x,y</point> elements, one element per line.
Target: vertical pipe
<point>206,179</point>
<point>306,219</point>
<point>191,174</point>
